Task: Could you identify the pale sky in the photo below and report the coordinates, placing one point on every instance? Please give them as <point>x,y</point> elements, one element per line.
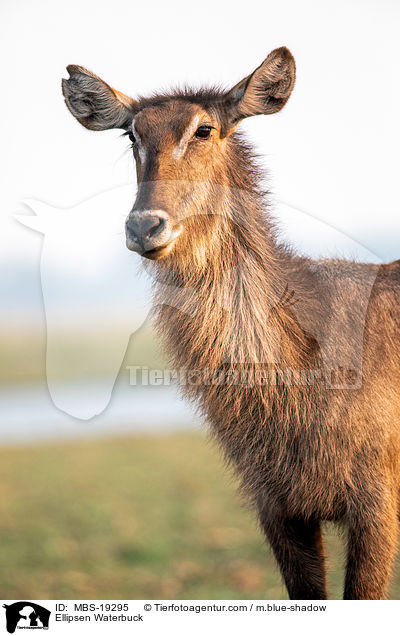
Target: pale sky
<point>332,152</point>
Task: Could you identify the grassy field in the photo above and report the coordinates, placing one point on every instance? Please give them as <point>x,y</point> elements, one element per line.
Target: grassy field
<point>148,517</point>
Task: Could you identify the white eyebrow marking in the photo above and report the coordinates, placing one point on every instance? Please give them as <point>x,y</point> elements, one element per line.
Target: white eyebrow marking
<point>180,149</point>
<point>142,151</point>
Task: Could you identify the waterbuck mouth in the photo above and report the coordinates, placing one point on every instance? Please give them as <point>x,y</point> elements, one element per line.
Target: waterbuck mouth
<point>158,252</point>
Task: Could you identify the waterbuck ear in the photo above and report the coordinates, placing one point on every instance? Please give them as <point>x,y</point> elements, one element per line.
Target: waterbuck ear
<point>94,103</point>
<point>263,92</point>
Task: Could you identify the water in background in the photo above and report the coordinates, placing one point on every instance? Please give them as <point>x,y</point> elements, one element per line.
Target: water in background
<point>27,414</point>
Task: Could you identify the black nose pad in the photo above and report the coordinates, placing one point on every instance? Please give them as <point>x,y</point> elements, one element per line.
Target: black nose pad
<point>151,226</point>
<point>147,230</point>
<point>132,230</point>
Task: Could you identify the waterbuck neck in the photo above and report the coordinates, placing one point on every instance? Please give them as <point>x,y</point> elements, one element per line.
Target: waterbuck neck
<point>232,299</point>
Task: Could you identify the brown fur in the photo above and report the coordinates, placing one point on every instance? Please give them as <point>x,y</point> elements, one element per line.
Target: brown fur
<point>306,452</point>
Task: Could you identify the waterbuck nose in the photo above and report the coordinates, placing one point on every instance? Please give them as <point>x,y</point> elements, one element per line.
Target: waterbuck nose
<point>147,230</point>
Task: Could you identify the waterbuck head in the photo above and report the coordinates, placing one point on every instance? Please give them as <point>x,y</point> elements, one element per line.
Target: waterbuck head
<point>188,162</point>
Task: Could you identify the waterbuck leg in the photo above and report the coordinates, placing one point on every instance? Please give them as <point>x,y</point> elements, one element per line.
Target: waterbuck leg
<point>297,545</point>
<point>372,542</point>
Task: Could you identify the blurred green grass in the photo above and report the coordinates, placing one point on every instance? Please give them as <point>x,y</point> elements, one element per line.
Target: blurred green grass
<point>146,517</point>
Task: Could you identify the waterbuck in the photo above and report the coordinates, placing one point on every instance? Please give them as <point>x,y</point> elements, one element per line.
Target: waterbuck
<point>297,362</point>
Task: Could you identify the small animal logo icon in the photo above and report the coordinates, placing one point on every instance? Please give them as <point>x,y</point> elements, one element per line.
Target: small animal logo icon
<point>26,615</point>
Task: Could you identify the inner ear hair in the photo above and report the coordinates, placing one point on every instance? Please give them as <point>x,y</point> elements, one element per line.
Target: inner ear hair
<point>94,103</point>
<point>263,92</point>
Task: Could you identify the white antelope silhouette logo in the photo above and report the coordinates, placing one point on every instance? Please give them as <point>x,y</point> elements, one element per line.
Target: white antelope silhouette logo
<point>87,275</point>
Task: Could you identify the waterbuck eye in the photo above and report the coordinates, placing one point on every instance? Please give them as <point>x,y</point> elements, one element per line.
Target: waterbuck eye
<point>203,132</point>
<point>131,136</point>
